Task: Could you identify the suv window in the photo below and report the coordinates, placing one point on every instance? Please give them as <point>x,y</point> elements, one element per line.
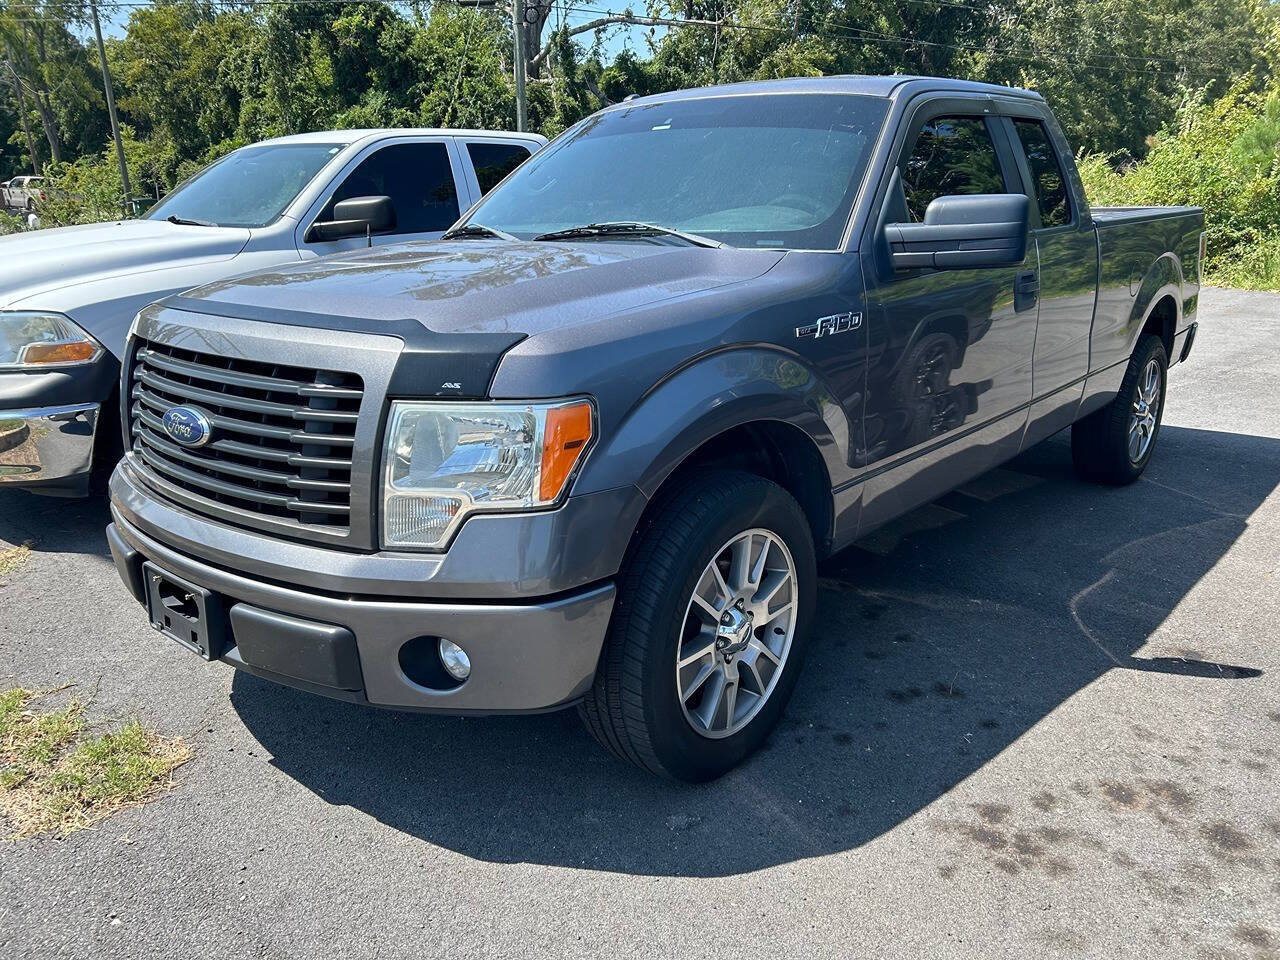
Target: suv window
<point>952,155</point>
<point>493,161</point>
<point>1050,185</point>
<point>416,176</point>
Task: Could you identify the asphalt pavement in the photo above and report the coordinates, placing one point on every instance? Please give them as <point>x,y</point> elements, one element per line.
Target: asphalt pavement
<point>1041,719</point>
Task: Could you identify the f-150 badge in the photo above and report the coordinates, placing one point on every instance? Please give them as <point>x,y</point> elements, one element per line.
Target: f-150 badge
<point>829,326</point>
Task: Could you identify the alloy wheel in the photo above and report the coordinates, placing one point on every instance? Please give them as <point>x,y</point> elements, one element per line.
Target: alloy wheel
<point>736,633</point>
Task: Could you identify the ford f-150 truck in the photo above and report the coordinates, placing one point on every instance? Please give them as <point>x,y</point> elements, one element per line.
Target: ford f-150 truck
<point>588,448</point>
<point>67,296</point>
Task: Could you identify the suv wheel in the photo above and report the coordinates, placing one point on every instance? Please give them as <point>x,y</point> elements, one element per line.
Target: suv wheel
<point>1114,444</point>
<point>708,634</point>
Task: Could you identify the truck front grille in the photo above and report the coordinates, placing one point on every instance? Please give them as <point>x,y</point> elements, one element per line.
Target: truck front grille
<point>281,440</point>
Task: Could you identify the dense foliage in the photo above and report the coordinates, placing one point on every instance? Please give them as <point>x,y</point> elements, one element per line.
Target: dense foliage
<point>1224,156</point>
<point>1167,100</point>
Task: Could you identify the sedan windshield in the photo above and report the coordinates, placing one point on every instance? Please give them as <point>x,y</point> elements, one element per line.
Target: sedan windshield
<point>776,171</point>
<point>248,188</point>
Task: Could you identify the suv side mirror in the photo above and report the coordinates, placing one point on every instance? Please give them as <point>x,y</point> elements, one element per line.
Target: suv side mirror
<point>356,218</point>
<point>975,230</point>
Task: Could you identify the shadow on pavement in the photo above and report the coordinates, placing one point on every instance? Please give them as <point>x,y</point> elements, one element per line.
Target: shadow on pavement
<point>941,640</point>
<point>54,524</point>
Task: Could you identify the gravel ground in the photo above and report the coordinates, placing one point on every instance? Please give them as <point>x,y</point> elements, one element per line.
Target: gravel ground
<point>1042,719</point>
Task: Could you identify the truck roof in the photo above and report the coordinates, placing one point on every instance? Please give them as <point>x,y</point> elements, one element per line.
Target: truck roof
<point>345,137</point>
<point>872,86</point>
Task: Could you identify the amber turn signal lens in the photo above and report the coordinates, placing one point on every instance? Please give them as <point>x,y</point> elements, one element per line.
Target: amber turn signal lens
<point>567,434</point>
<point>75,351</point>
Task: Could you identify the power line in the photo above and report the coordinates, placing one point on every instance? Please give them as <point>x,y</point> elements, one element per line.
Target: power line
<point>836,31</point>
<point>825,31</point>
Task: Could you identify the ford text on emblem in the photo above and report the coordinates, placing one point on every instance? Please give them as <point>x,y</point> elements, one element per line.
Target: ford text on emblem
<point>187,426</point>
<point>830,326</point>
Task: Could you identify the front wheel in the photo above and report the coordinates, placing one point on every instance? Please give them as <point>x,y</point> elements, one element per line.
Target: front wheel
<point>709,630</point>
<point>1114,445</point>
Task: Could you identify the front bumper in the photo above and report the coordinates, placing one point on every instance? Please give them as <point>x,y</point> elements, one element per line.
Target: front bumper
<point>525,656</point>
<point>49,449</point>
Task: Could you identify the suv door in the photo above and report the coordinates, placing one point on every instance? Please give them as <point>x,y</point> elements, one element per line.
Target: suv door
<point>420,176</point>
<point>951,350</point>
<point>1067,248</point>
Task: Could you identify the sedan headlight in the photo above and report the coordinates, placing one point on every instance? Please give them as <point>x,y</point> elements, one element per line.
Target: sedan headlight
<point>445,461</point>
<point>36,340</point>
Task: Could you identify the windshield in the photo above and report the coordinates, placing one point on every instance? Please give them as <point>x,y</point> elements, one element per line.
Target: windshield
<point>775,171</point>
<point>248,188</point>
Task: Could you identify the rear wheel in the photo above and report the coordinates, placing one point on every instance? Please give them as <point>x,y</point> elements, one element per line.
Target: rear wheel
<point>709,630</point>
<point>1114,444</point>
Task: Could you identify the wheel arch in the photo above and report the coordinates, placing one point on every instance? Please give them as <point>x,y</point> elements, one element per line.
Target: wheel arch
<point>1158,306</point>
<point>758,409</point>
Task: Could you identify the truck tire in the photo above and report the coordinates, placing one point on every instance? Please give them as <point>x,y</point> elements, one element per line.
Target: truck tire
<point>1114,445</point>
<point>709,629</point>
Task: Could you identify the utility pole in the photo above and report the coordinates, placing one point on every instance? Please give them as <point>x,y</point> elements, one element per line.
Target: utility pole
<point>520,57</point>
<point>111,110</point>
<point>521,62</point>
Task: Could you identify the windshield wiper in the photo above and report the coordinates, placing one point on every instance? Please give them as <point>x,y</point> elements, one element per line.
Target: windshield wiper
<point>185,222</point>
<point>477,230</point>
<point>622,228</point>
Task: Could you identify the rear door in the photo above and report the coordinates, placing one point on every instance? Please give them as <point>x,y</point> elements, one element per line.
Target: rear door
<point>422,176</point>
<point>490,159</point>
<point>1068,253</point>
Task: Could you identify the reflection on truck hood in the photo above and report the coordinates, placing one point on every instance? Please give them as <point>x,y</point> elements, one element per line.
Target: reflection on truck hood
<point>481,286</point>
<point>38,261</point>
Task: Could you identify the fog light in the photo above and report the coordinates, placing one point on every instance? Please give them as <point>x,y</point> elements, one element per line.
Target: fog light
<point>455,659</point>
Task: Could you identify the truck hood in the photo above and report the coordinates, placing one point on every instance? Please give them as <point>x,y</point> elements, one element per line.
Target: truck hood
<point>482,286</point>
<point>44,260</point>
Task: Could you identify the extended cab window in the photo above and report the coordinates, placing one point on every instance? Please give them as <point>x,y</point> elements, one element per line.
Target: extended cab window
<point>952,155</point>
<point>1050,185</point>
<point>416,176</point>
<point>493,161</point>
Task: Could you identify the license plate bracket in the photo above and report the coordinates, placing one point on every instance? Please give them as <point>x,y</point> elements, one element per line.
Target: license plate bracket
<point>185,612</point>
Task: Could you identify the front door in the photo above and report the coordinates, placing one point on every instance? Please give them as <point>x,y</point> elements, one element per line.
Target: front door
<point>421,179</point>
<point>951,350</point>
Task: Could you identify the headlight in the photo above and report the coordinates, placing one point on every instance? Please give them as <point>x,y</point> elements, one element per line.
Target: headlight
<point>445,461</point>
<point>36,340</point>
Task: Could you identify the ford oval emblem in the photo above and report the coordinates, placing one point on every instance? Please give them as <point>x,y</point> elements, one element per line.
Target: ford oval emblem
<point>188,426</point>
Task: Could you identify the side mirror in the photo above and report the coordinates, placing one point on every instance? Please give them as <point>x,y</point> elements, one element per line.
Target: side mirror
<point>977,230</point>
<point>356,218</point>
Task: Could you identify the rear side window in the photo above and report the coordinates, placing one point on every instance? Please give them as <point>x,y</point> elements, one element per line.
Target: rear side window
<point>1050,185</point>
<point>952,155</point>
<point>416,176</point>
<point>493,161</point>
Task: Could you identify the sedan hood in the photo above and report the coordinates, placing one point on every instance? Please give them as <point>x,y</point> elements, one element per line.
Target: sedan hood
<point>39,261</point>
<point>483,286</point>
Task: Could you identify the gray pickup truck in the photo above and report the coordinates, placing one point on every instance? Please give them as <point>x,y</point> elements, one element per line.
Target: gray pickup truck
<point>588,448</point>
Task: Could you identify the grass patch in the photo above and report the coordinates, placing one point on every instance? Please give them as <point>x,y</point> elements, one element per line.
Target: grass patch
<point>13,558</point>
<point>55,778</point>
